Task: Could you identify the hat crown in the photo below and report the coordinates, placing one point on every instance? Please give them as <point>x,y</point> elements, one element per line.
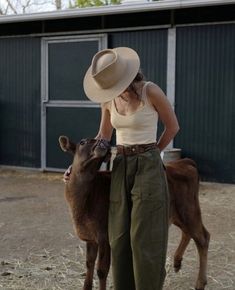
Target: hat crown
<point>103,61</point>
<point>107,68</point>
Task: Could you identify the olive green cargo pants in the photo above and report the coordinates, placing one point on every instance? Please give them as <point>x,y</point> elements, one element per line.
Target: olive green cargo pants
<point>138,221</point>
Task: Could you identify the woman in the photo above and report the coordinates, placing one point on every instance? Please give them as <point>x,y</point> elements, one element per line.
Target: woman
<point>138,215</point>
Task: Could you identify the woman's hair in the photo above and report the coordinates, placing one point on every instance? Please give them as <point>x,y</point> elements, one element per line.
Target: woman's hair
<point>138,78</point>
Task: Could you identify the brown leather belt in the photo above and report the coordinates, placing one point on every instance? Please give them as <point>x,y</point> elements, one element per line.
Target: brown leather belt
<point>135,149</point>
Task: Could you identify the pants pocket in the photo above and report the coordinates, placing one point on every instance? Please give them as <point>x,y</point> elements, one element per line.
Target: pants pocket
<point>151,177</point>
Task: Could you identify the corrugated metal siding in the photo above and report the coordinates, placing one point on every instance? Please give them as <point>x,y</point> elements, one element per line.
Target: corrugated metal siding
<point>205,98</point>
<point>20,102</point>
<point>152,49</point>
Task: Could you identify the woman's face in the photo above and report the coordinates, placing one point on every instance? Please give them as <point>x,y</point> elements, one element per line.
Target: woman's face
<point>125,96</point>
<point>127,92</point>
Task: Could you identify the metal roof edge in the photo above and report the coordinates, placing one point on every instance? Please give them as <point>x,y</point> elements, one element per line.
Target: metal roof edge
<point>113,9</point>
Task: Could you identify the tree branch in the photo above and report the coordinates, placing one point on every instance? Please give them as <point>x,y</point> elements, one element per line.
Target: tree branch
<point>11,6</point>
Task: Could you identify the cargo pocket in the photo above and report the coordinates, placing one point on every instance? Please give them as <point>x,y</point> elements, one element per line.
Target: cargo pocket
<point>150,177</point>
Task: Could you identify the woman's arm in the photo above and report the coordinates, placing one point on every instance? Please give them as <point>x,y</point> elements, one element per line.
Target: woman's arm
<point>106,129</point>
<point>166,114</point>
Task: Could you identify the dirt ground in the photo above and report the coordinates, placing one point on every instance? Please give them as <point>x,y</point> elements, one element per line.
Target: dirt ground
<point>39,250</point>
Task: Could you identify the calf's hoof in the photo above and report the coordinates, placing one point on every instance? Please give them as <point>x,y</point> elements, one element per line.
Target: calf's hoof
<point>177,265</point>
<point>201,286</point>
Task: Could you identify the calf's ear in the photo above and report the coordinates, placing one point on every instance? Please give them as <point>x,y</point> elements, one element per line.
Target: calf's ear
<point>66,145</point>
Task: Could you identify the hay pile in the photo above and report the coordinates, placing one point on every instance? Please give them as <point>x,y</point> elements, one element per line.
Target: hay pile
<point>45,271</point>
<point>66,270</point>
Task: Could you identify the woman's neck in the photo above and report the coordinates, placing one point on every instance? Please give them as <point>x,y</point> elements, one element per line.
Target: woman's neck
<point>133,92</point>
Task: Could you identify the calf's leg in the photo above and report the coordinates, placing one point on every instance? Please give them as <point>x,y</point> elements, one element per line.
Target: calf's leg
<point>202,239</point>
<point>91,254</point>
<point>103,263</point>
<point>178,257</point>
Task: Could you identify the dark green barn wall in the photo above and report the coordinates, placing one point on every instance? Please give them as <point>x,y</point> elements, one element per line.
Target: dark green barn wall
<point>205,89</point>
<point>20,102</point>
<point>205,98</point>
<point>152,48</point>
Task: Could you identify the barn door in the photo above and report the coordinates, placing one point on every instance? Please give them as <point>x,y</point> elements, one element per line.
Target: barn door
<point>65,108</point>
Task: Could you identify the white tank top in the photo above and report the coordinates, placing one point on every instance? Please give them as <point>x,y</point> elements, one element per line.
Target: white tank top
<point>140,127</point>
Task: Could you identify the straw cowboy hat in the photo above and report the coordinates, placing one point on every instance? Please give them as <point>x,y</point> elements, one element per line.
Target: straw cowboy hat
<point>110,73</point>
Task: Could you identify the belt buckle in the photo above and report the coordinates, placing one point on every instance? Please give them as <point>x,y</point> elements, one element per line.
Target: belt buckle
<point>133,149</point>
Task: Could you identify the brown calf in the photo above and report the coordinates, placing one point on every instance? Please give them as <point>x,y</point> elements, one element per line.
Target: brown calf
<point>87,193</point>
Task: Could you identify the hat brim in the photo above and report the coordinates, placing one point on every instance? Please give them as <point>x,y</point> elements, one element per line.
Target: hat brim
<point>99,95</point>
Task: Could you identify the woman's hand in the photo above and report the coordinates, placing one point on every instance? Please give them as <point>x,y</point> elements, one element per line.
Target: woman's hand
<point>103,144</point>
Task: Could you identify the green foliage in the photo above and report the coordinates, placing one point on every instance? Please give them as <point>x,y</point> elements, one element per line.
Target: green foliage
<point>91,3</point>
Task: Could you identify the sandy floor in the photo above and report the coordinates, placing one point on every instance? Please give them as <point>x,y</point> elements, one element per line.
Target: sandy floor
<point>39,250</point>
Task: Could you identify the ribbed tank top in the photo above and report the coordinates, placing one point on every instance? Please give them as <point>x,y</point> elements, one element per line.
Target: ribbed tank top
<point>140,127</point>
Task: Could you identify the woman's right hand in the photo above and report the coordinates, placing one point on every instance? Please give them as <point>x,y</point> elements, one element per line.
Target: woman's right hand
<point>67,173</point>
